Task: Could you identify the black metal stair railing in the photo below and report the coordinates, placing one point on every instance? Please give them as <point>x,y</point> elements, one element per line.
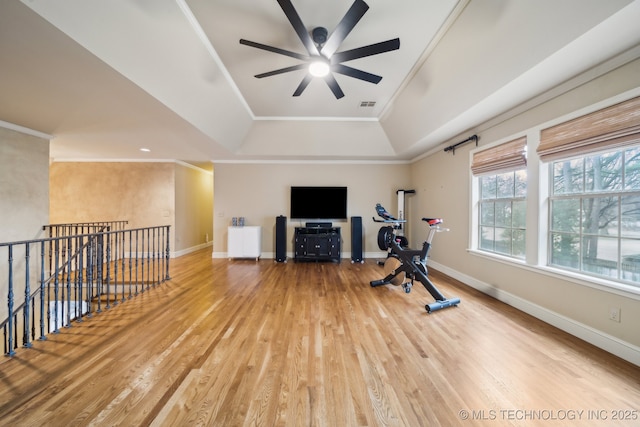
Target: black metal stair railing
<point>51,282</point>
<point>76,228</point>
<point>79,228</point>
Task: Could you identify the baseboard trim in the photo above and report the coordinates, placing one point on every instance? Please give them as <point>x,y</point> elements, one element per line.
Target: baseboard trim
<point>609,343</point>
<point>189,250</point>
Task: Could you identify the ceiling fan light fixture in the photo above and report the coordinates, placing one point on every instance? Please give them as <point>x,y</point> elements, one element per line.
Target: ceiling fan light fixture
<point>323,57</point>
<point>319,68</point>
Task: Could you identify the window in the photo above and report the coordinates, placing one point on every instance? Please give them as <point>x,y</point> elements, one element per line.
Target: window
<point>502,189</point>
<point>502,213</point>
<point>594,203</point>
<point>595,214</point>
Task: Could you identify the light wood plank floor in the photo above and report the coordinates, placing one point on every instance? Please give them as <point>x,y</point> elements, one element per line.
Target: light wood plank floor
<point>302,344</point>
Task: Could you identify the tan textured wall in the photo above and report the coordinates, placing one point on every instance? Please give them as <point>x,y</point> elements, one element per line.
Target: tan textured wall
<point>260,192</point>
<point>141,193</point>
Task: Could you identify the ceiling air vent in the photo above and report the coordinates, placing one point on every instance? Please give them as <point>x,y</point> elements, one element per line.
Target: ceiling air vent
<point>368,104</point>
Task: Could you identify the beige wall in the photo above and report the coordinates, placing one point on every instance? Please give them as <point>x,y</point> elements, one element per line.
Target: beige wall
<point>24,205</point>
<point>24,185</point>
<point>194,207</point>
<point>260,192</point>
<point>443,182</point>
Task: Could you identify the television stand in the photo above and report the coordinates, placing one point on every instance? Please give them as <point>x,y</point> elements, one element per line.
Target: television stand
<point>317,244</point>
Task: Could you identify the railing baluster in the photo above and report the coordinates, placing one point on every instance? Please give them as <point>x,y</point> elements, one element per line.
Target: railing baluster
<point>143,259</point>
<point>48,304</point>
<point>168,255</point>
<point>137,258</point>
<point>153,257</point>
<point>108,275</point>
<point>90,254</point>
<point>42,317</point>
<point>130,272</point>
<point>114,238</point>
<point>10,302</point>
<point>120,236</point>
<point>27,296</point>
<point>149,255</point>
<point>68,292</point>
<point>33,317</point>
<point>15,332</point>
<point>79,276</point>
<point>163,254</point>
<point>56,283</point>
<point>98,272</point>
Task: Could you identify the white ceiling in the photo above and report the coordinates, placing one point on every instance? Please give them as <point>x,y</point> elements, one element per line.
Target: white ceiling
<point>105,79</point>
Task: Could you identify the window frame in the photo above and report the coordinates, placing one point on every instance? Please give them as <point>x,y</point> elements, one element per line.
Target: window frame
<point>580,196</point>
<point>475,198</point>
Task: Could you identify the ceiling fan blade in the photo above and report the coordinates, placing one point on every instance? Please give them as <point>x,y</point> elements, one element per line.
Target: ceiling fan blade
<point>282,70</point>
<point>342,30</point>
<point>361,52</point>
<point>333,85</point>
<point>303,85</point>
<point>274,49</point>
<point>298,26</point>
<point>355,73</point>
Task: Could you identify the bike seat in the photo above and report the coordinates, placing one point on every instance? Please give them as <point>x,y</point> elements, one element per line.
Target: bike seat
<point>433,221</point>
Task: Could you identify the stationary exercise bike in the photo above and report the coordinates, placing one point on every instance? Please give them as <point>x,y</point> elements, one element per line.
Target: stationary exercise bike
<point>404,265</point>
<point>399,220</point>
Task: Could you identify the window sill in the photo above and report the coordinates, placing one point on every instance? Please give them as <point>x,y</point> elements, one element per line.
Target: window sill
<point>628,291</point>
<point>497,257</point>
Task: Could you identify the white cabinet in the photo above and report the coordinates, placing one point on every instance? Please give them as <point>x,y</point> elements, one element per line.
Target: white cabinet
<point>244,242</point>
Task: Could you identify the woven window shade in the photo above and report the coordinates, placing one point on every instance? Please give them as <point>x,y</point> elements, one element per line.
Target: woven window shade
<point>511,155</point>
<point>612,127</point>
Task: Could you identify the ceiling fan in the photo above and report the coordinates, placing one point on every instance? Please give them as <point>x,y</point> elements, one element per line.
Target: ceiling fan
<point>322,58</point>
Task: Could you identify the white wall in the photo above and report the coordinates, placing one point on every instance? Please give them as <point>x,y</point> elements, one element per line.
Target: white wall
<point>260,192</point>
<point>576,305</point>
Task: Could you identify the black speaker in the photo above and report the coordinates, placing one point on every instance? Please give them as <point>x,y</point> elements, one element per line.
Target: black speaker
<point>281,238</point>
<point>356,239</point>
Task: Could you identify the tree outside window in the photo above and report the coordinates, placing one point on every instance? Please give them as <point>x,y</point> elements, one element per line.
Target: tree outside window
<point>502,213</point>
<point>595,214</point>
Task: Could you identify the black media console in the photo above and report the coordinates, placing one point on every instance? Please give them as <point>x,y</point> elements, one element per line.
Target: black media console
<point>317,243</point>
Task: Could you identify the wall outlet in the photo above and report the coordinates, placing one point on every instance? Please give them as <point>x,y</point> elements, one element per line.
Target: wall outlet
<point>614,314</point>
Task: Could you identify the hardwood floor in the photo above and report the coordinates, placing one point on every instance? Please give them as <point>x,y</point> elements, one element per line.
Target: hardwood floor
<point>232,343</point>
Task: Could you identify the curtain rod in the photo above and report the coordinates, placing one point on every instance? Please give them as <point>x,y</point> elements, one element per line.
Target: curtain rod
<point>452,148</point>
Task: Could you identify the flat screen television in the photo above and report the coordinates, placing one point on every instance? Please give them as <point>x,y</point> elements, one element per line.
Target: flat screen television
<point>319,203</point>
